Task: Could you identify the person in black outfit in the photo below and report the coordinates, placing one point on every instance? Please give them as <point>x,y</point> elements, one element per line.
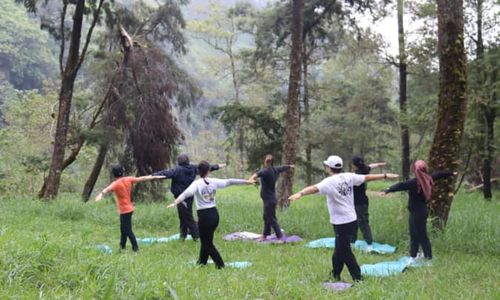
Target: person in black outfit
<point>268,177</point>
<point>182,176</point>
<point>361,200</point>
<point>419,192</point>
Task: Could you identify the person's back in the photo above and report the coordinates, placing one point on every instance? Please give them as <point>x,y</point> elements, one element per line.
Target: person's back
<point>268,177</point>
<point>183,177</point>
<point>340,198</point>
<point>122,187</point>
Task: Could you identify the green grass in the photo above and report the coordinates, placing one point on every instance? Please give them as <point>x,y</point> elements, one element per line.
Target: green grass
<point>48,251</point>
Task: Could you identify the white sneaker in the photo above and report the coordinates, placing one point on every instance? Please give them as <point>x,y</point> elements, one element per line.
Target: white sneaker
<point>369,248</point>
<point>410,261</point>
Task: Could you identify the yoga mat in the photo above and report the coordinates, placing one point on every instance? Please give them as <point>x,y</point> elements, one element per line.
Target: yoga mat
<point>233,264</point>
<point>104,249</point>
<point>336,286</point>
<point>152,240</point>
<point>387,268</point>
<point>359,245</point>
<point>245,235</point>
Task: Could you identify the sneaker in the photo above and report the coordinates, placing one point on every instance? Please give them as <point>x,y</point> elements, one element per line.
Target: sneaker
<point>410,261</point>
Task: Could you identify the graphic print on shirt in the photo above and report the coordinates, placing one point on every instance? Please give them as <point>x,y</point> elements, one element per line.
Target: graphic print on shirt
<point>344,189</point>
<point>208,194</point>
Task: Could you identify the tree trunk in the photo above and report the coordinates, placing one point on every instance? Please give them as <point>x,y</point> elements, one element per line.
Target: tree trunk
<point>293,107</point>
<point>94,175</point>
<point>305,62</point>
<point>486,107</point>
<point>445,150</point>
<point>489,114</point>
<point>405,136</point>
<point>51,184</point>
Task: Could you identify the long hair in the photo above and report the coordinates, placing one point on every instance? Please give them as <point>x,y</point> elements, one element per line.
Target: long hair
<point>268,161</point>
<point>359,162</point>
<point>424,180</point>
<point>203,168</point>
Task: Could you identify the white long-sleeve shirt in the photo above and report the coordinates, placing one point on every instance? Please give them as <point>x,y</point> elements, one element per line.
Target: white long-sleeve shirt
<point>204,190</point>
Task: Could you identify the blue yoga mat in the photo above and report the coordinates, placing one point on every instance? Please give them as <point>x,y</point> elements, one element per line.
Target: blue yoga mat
<point>387,268</point>
<point>359,245</point>
<point>152,240</point>
<point>104,249</point>
<point>234,264</point>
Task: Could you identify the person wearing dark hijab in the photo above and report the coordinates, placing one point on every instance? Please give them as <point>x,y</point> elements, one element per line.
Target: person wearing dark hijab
<point>419,192</point>
<point>361,200</point>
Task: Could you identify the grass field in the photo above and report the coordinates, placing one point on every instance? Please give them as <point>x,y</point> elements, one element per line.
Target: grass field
<point>48,251</point>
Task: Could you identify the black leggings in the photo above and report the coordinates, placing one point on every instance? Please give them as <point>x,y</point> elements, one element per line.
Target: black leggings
<point>343,253</point>
<point>270,220</point>
<point>126,231</point>
<point>418,233</point>
<point>186,220</point>
<point>208,220</point>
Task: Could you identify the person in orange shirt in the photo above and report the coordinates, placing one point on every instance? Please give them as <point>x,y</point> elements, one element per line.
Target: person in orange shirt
<point>122,188</point>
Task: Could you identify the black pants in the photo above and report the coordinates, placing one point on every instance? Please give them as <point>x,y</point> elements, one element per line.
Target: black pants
<point>270,220</point>
<point>208,220</point>
<point>363,222</point>
<point>126,231</point>
<point>343,252</point>
<point>418,233</point>
<point>187,223</point>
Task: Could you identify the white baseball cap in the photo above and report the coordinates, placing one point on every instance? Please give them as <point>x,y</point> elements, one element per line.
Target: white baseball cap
<point>334,162</point>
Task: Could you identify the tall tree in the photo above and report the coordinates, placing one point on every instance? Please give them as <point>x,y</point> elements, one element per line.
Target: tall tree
<point>486,113</point>
<point>405,136</point>
<point>69,71</point>
<point>293,108</point>
<point>449,130</point>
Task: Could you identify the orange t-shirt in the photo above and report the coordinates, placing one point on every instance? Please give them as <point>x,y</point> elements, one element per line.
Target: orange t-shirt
<point>122,188</point>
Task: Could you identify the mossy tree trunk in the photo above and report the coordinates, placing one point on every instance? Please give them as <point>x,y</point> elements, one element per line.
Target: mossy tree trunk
<point>445,150</point>
<point>290,143</point>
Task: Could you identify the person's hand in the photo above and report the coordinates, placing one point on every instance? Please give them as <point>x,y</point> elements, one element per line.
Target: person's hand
<point>381,164</point>
<point>222,165</point>
<point>98,197</point>
<point>292,166</point>
<point>295,197</point>
<point>251,181</point>
<point>381,194</point>
<point>171,205</point>
<point>391,176</point>
<point>455,173</point>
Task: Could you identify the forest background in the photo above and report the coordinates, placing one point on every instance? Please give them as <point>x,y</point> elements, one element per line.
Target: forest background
<point>210,78</point>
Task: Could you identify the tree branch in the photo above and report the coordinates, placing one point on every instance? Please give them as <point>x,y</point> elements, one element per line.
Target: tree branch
<point>97,12</point>
<point>61,52</point>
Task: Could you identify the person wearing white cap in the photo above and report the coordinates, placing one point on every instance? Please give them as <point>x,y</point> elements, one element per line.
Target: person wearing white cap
<point>338,188</point>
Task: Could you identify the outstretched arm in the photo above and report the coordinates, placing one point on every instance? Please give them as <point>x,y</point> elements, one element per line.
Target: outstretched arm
<point>186,194</point>
<point>371,177</point>
<point>312,189</point>
<point>442,174</point>
<point>401,186</point>
<point>103,192</point>
<point>148,178</point>
<point>253,177</point>
<point>285,168</point>
<point>216,167</point>
<point>377,164</point>
<point>167,173</point>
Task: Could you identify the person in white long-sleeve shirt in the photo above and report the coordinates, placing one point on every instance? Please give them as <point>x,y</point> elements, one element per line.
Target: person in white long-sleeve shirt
<point>204,190</point>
